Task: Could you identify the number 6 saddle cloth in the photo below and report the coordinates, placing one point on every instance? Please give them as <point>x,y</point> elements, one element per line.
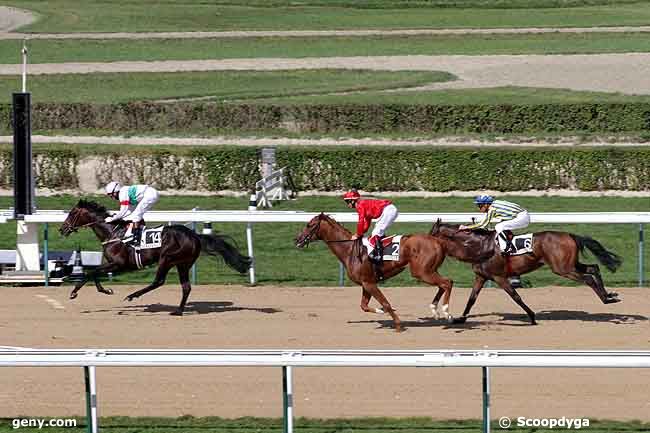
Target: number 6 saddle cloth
<point>391,247</point>
<point>523,244</point>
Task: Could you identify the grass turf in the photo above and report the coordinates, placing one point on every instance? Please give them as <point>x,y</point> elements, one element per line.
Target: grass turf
<point>274,242</point>
<point>218,85</point>
<point>197,15</point>
<point>113,50</point>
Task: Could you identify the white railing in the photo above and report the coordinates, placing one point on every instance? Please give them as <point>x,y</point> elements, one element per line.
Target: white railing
<point>287,359</point>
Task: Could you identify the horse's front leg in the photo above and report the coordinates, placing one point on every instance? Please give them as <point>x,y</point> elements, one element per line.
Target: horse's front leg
<point>104,269</point>
<point>479,282</point>
<point>365,299</point>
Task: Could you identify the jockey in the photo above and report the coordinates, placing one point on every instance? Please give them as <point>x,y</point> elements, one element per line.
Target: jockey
<point>509,216</point>
<point>134,200</point>
<point>368,209</point>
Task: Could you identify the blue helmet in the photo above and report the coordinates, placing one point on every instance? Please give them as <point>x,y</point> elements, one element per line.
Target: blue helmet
<point>483,199</point>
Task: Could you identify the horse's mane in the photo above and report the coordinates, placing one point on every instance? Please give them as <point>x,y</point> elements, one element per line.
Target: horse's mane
<point>478,232</point>
<point>324,216</point>
<point>92,206</point>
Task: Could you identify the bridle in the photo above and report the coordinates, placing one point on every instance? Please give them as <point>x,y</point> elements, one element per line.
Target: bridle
<point>72,227</point>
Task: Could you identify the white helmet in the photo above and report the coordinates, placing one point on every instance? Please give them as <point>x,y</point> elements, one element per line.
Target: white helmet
<point>112,187</point>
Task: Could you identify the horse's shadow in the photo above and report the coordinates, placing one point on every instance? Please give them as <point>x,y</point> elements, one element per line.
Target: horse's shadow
<point>569,315</point>
<point>511,319</point>
<point>191,308</point>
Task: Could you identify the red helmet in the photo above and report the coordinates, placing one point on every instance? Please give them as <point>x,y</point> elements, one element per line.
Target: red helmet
<point>351,195</point>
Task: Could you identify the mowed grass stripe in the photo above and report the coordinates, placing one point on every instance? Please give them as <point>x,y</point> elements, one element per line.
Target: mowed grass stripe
<point>220,85</point>
<point>280,262</point>
<point>112,50</point>
<point>195,15</point>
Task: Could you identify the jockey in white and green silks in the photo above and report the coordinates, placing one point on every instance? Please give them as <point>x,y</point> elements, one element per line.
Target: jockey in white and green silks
<point>134,200</point>
<point>508,216</point>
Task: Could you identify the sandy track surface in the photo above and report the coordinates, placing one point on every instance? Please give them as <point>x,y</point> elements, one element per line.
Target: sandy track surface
<point>624,73</point>
<point>286,318</point>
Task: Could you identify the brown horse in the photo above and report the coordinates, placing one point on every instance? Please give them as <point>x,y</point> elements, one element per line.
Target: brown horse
<point>422,253</point>
<point>559,250</point>
<point>180,247</point>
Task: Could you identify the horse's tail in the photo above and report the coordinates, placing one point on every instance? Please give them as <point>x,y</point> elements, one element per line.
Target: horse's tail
<point>607,258</point>
<point>217,245</point>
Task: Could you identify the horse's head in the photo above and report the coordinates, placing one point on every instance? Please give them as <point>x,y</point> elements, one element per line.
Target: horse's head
<point>443,229</point>
<point>84,214</point>
<point>311,232</point>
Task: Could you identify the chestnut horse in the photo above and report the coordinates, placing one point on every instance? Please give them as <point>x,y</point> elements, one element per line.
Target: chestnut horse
<point>559,250</point>
<point>422,253</point>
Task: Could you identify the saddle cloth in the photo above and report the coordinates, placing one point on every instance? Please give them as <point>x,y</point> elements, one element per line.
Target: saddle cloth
<point>522,243</point>
<point>151,238</point>
<point>391,247</point>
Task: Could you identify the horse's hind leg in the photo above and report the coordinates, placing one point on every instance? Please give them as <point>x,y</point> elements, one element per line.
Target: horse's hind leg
<point>158,281</point>
<point>505,285</point>
<point>590,275</point>
<point>184,277</point>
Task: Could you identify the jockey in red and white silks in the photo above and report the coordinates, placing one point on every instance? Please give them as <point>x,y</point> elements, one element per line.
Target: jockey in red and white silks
<point>370,209</point>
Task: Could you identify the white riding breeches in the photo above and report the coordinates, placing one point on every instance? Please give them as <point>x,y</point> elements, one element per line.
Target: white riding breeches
<point>519,222</point>
<point>388,216</point>
<point>150,197</point>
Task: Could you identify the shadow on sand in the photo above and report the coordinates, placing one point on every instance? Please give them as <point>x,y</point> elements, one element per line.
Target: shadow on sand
<point>511,319</point>
<point>197,307</point>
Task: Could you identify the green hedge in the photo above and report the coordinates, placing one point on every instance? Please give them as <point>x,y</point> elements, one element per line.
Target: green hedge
<point>327,169</point>
<point>520,119</point>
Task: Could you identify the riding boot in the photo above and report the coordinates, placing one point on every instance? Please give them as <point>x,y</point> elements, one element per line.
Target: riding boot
<point>378,252</point>
<point>137,235</point>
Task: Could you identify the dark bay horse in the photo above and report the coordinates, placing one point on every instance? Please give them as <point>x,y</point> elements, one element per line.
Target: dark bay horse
<point>422,253</point>
<point>559,250</point>
<point>180,247</point>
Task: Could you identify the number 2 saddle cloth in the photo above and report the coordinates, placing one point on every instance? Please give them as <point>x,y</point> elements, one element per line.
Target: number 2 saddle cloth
<point>391,247</point>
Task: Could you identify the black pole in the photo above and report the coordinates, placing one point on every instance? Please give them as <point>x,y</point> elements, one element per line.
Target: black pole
<point>23,176</point>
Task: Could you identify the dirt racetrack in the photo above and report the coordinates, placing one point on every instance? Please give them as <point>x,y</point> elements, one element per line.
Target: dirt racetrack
<point>318,317</point>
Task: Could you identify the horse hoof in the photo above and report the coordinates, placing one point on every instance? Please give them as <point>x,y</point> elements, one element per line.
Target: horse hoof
<point>612,300</point>
<point>450,319</point>
<point>73,295</point>
<point>459,320</point>
<point>379,311</point>
<point>533,322</point>
<point>108,291</point>
<point>129,298</point>
<point>176,313</point>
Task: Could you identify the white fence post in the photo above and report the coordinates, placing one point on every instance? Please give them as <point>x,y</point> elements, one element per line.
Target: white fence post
<point>287,398</point>
<point>91,399</point>
<point>252,207</point>
<point>486,399</point>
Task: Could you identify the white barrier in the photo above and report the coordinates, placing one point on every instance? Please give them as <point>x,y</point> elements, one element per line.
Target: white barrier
<point>287,359</point>
<point>255,216</point>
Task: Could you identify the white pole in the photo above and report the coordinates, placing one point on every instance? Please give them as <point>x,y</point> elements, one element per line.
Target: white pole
<point>252,207</point>
<point>24,53</point>
<point>288,399</point>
